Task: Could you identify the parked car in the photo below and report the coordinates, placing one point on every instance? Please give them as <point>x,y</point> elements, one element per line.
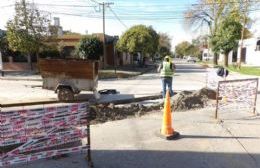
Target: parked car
<point>191,59</point>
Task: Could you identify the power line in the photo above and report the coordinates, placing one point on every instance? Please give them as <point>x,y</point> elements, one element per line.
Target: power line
<point>95,1</point>
<point>137,15</point>
<point>131,17</point>
<point>58,5</point>
<point>219,3</point>
<point>118,18</point>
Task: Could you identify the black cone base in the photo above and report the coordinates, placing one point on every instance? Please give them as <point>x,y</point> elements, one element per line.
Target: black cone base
<point>174,136</point>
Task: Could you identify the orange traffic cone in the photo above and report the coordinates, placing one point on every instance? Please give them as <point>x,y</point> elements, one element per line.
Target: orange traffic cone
<point>167,130</point>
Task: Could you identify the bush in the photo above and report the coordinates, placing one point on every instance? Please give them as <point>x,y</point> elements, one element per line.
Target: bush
<point>89,47</point>
<point>49,53</point>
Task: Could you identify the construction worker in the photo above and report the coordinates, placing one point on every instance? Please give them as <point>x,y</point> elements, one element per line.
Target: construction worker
<point>166,69</point>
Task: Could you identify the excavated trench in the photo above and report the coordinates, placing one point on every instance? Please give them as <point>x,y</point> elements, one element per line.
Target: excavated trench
<point>183,101</point>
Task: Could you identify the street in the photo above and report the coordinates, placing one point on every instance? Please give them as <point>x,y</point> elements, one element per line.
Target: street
<point>187,77</point>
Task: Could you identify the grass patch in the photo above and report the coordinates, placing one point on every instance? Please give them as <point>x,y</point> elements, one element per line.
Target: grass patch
<point>246,70</point>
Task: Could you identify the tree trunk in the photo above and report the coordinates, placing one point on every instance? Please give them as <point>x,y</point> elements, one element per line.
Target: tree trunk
<point>37,59</point>
<point>29,60</point>
<point>226,59</point>
<point>215,59</point>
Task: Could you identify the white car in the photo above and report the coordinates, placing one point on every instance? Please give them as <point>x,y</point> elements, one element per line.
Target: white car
<point>191,59</point>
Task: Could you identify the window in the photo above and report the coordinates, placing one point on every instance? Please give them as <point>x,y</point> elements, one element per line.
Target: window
<point>258,45</point>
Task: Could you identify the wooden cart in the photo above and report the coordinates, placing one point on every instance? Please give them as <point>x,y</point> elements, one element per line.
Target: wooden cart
<point>68,77</point>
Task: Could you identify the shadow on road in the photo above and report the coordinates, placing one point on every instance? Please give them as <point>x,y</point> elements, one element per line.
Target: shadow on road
<point>215,137</point>
<point>172,159</point>
<point>191,71</point>
<point>152,159</point>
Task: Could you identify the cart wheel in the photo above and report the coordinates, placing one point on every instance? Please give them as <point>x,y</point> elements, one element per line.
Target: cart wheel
<point>65,94</point>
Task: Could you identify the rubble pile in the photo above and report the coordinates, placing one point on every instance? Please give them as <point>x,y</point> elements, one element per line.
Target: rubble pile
<point>187,100</point>
<point>183,101</point>
<point>113,112</point>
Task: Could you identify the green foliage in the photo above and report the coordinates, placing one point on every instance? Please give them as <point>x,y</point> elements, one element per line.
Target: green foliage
<point>139,38</point>
<point>3,43</point>
<point>155,42</point>
<point>227,36</point>
<point>163,51</point>
<point>49,52</point>
<point>4,47</point>
<point>185,48</point>
<point>27,30</point>
<point>194,51</point>
<point>182,48</point>
<point>90,47</point>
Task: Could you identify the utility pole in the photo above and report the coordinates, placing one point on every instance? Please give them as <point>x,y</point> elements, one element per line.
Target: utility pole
<point>104,5</point>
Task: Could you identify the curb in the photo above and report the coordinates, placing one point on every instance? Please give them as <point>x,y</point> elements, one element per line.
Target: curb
<point>118,71</point>
<point>124,101</point>
<point>132,100</point>
<point>19,79</point>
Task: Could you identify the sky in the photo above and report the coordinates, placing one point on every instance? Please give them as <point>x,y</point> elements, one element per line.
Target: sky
<point>85,16</point>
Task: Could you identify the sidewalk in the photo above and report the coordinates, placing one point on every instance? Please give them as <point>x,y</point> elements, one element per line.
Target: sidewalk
<point>27,89</point>
<point>21,75</point>
<point>212,75</point>
<point>33,76</point>
<point>204,142</point>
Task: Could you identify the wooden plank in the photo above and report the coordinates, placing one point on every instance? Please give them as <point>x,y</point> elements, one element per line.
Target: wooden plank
<point>81,69</point>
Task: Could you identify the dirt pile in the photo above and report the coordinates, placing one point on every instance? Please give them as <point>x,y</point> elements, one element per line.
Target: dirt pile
<point>113,112</point>
<point>187,100</point>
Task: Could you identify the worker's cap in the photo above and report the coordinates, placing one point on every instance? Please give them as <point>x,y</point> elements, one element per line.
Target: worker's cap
<point>167,57</point>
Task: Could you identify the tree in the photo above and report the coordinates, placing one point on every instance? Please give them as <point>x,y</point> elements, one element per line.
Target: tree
<point>90,47</point>
<point>164,44</point>
<point>182,49</point>
<point>212,12</point>
<point>28,29</point>
<point>185,48</point>
<point>139,38</point>
<point>4,49</point>
<point>226,38</point>
<point>194,50</point>
<point>155,43</point>
<point>241,13</point>
<point>207,13</point>
<point>201,40</point>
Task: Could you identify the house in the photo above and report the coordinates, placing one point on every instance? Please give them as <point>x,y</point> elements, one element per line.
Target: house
<point>68,42</point>
<point>250,52</point>
<point>207,55</point>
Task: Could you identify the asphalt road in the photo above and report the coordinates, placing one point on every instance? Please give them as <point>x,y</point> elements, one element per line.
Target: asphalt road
<point>187,77</point>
